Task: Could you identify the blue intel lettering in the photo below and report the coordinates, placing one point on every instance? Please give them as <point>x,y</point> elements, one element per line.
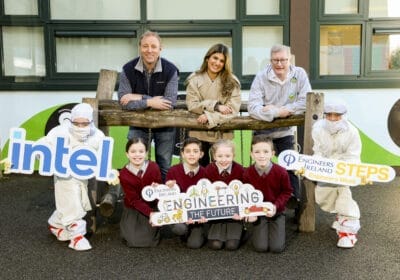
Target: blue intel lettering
<point>81,162</point>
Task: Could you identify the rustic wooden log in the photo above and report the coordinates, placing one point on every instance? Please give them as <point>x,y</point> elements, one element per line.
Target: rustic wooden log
<point>111,114</point>
<point>108,104</point>
<point>315,104</point>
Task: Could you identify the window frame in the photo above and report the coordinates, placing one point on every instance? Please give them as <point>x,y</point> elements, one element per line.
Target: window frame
<point>75,30</point>
<point>366,78</point>
<point>282,16</point>
<point>54,80</point>
<point>391,28</point>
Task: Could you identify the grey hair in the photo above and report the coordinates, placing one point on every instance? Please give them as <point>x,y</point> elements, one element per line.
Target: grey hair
<point>280,48</point>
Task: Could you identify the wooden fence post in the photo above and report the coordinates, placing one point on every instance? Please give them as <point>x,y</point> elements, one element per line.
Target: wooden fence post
<point>314,112</point>
<point>105,90</point>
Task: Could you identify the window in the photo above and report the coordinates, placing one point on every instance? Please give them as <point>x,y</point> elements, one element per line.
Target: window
<point>20,7</point>
<point>191,10</point>
<point>23,49</point>
<point>91,51</point>
<point>351,49</point>
<point>188,53</point>
<point>385,51</point>
<point>257,43</point>
<point>341,7</point>
<point>58,44</point>
<point>384,8</point>
<point>261,7</point>
<point>95,9</point>
<point>340,50</point>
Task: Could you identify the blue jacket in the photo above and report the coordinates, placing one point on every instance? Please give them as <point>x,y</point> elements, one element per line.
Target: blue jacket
<point>158,80</point>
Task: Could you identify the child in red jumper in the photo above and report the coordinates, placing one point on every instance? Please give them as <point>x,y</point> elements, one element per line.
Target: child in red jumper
<point>187,174</point>
<point>273,181</point>
<point>135,220</point>
<point>138,173</point>
<point>224,169</point>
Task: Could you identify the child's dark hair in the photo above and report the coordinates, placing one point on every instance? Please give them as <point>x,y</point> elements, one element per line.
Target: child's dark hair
<point>135,140</point>
<point>262,138</point>
<point>191,140</point>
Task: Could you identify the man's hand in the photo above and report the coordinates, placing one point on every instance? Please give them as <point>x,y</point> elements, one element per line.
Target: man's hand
<point>159,103</point>
<point>283,112</point>
<point>125,99</point>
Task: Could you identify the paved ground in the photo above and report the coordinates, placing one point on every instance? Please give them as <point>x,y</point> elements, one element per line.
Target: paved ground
<point>28,251</point>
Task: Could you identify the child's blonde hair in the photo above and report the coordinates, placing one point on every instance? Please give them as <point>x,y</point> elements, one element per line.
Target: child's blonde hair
<point>222,142</point>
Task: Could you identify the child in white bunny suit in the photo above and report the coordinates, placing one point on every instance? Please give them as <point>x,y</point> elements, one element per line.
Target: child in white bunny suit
<point>71,194</point>
<point>336,138</point>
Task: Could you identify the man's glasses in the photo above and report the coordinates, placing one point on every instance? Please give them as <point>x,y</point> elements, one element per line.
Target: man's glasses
<point>282,61</point>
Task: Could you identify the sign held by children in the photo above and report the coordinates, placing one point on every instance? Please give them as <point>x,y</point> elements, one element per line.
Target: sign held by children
<point>212,201</point>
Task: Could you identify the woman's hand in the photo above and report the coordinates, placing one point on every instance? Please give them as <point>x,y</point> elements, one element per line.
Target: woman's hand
<point>202,119</point>
<point>225,110</point>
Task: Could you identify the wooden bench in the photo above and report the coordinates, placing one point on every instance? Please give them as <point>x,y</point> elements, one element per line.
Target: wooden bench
<point>108,112</point>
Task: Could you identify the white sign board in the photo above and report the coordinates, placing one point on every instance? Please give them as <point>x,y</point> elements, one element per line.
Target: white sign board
<point>335,171</point>
<point>205,199</point>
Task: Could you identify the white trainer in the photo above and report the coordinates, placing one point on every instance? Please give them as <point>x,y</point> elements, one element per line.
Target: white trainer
<point>346,240</point>
<point>80,243</point>
<point>335,225</point>
<point>60,233</point>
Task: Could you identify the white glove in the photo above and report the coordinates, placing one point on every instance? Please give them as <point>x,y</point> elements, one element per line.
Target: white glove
<point>7,165</point>
<point>113,179</point>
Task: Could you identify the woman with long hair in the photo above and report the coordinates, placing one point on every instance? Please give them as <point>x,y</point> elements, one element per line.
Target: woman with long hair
<point>213,92</point>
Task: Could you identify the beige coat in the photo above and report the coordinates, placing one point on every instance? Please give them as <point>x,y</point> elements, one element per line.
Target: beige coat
<point>202,94</point>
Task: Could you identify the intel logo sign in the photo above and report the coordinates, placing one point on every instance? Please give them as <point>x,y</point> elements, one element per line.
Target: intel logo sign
<point>81,162</point>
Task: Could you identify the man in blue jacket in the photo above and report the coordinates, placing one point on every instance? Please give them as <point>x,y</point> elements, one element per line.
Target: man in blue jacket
<point>151,82</point>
